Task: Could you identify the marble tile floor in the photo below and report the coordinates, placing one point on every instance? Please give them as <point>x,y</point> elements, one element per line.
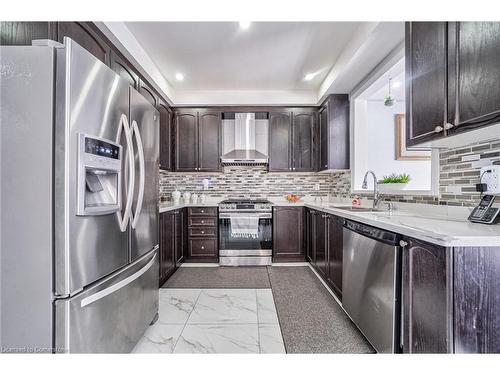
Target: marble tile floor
<point>214,321</point>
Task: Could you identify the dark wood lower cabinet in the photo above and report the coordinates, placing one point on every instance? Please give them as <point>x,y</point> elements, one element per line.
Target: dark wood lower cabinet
<point>288,242</point>
<point>325,247</point>
<point>334,225</point>
<point>477,299</point>
<point>202,238</point>
<point>426,298</point>
<point>172,242</point>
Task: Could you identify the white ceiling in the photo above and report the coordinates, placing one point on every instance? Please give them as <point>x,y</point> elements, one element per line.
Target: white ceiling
<point>379,89</point>
<point>221,56</point>
<point>264,65</point>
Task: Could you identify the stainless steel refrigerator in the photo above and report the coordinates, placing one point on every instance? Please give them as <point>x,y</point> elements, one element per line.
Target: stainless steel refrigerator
<point>79,192</point>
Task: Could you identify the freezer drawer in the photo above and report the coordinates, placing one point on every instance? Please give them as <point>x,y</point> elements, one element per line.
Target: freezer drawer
<point>111,316</point>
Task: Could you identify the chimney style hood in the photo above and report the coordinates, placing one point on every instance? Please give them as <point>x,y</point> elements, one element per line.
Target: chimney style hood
<point>245,140</point>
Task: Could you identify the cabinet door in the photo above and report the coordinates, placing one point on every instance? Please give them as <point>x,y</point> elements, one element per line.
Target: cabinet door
<point>426,81</point>
<point>475,73</point>
<point>22,33</point>
<point>210,149</point>
<point>323,136</point>
<point>165,135</point>
<point>426,295</point>
<point>320,243</point>
<point>477,299</point>
<point>85,35</point>
<point>148,93</point>
<point>124,70</point>
<point>303,128</point>
<point>186,142</point>
<point>167,245</point>
<point>288,233</point>
<point>280,131</point>
<point>308,235</point>
<point>335,251</point>
<point>179,231</point>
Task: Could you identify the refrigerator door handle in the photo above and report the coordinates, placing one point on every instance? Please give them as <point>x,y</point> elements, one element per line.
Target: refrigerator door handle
<point>125,128</point>
<point>140,197</point>
<point>113,288</point>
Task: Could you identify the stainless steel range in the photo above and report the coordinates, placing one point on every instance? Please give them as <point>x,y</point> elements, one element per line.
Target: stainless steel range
<point>245,232</point>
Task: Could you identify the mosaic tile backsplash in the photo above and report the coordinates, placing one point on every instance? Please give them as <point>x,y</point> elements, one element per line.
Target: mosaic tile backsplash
<point>459,172</point>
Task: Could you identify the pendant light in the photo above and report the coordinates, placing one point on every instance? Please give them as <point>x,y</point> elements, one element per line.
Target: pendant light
<point>389,99</point>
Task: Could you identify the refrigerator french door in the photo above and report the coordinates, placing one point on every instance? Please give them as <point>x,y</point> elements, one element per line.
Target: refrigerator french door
<point>98,292</point>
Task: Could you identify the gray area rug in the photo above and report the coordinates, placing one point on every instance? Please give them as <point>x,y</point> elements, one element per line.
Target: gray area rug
<point>219,277</point>
<point>311,320</point>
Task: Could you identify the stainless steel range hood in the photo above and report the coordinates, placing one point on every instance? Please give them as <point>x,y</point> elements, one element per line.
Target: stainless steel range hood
<point>245,140</point>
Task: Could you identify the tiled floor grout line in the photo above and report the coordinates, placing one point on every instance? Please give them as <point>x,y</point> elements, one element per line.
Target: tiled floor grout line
<point>185,324</point>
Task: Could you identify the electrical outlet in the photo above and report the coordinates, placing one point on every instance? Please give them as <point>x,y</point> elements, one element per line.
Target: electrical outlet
<point>491,179</point>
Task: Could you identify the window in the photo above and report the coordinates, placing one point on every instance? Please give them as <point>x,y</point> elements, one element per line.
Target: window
<point>378,141</point>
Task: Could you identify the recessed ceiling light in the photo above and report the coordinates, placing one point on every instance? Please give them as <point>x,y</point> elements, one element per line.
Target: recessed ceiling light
<point>244,25</point>
<point>179,77</point>
<point>396,84</point>
<point>309,76</point>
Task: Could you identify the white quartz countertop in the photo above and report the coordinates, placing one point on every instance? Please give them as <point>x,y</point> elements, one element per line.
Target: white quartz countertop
<point>443,226</point>
<point>424,222</point>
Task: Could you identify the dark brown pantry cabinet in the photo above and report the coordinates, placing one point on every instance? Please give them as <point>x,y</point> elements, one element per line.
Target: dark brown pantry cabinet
<point>452,73</point>
<point>288,228</point>
<point>197,140</point>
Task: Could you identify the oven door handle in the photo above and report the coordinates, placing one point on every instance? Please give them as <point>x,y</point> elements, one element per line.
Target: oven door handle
<point>226,215</point>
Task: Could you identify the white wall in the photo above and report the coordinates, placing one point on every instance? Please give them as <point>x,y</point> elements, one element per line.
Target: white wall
<point>375,146</point>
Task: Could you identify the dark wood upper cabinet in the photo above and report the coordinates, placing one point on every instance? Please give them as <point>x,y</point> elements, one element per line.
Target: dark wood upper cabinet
<point>210,147</point>
<point>186,141</point>
<point>335,253</point>
<point>334,133</point>
<point>124,70</point>
<point>303,141</point>
<point>165,135</point>
<point>280,140</point>
<point>288,228</point>
<point>22,33</point>
<point>426,90</point>
<point>452,72</point>
<point>426,298</point>
<point>474,74</point>
<point>198,140</point>
<point>85,34</point>
<point>148,93</point>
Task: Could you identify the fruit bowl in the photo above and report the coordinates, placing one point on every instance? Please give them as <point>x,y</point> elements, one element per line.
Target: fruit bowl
<point>292,197</point>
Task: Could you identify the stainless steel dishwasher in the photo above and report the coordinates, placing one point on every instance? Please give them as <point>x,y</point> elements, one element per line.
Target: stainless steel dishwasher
<point>370,283</point>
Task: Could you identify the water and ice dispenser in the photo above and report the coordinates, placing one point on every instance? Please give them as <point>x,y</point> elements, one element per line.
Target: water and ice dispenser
<point>99,176</point>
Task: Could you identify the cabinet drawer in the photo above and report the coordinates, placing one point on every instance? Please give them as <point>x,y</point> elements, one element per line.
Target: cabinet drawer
<point>202,247</point>
<point>202,221</point>
<point>203,232</point>
<point>202,211</point>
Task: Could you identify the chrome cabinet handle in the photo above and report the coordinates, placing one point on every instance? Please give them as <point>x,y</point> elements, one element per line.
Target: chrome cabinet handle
<point>202,232</point>
<point>202,211</point>
<point>438,129</point>
<point>448,126</point>
<point>203,247</point>
<point>403,243</point>
<point>202,221</point>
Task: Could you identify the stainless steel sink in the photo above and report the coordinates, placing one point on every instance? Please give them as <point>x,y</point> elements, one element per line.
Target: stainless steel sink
<point>356,209</point>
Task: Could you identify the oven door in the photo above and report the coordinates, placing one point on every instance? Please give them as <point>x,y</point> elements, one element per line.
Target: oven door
<point>245,246</point>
